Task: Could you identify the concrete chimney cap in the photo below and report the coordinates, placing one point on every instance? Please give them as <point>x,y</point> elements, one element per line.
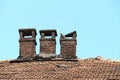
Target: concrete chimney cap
<point>48,32</point>
<point>71,34</point>
<point>27,31</point>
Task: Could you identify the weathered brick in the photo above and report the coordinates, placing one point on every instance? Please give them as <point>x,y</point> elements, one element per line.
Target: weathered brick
<point>27,45</point>
<point>68,46</point>
<point>48,45</point>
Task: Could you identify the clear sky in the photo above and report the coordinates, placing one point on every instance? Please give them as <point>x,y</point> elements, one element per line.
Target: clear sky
<point>97,23</point>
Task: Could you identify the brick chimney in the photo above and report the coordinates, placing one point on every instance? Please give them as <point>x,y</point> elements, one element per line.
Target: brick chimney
<point>48,41</point>
<point>68,45</point>
<point>27,43</point>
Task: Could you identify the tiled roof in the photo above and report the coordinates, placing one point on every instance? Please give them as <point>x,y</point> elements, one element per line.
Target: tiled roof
<point>87,69</point>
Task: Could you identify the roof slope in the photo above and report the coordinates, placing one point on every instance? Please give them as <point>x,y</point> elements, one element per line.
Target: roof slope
<point>87,69</point>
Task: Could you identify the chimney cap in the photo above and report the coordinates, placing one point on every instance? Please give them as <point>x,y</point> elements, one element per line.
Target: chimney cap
<point>71,34</point>
<point>27,31</point>
<point>48,32</point>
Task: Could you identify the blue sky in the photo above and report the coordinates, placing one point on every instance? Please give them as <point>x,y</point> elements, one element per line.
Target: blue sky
<point>97,23</point>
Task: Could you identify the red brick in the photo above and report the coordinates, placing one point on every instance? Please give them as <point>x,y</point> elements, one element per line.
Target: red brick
<point>27,45</point>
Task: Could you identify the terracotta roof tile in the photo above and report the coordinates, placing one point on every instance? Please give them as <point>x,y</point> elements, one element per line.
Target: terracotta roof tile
<point>87,69</point>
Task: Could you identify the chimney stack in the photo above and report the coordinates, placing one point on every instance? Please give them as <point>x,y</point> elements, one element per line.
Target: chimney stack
<point>68,44</point>
<point>27,43</point>
<point>48,41</point>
